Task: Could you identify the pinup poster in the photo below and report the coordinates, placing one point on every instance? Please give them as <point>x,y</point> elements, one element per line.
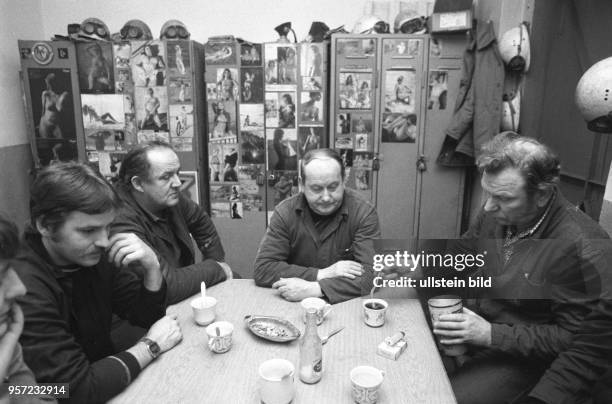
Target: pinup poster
<point>252,89</point>
<point>182,144</point>
<point>400,93</point>
<point>220,53</point>
<point>347,157</point>
<point>250,54</point>
<point>271,66</point>
<point>229,172</point>
<point>179,90</point>
<point>189,185</point>
<point>343,124</point>
<point>311,107</point>
<point>282,149</point>
<point>123,75</point>
<point>251,117</point>
<point>227,84</point>
<point>222,121</point>
<point>148,63</point>
<point>178,59</point>
<point>399,128</point>
<point>271,109</point>
<point>181,120</point>
<point>145,136</point>
<point>350,48</point>
<point>312,83</point>
<point>286,110</point>
<point>151,108</point>
<point>220,209</point>
<point>355,90</point>
<point>312,60</point>
<point>287,67</point>
<point>253,146</point>
<point>236,210</point>
<point>211,92</point>
<point>437,89</point>
<point>309,138</point>
<point>282,185</point>
<point>251,193</point>
<point>105,139</point>
<point>401,48</point>
<point>95,67</point>
<point>215,154</point>
<point>103,111</point>
<point>109,164</point>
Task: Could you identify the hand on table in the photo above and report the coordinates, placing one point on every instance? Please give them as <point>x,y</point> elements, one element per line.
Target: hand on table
<point>166,332</point>
<point>347,269</point>
<point>459,328</point>
<point>296,289</point>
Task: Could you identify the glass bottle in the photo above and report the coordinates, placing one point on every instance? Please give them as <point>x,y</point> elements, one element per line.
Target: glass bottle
<point>311,350</point>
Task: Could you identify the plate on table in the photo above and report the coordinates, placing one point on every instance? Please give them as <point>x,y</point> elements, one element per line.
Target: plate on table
<point>275,329</point>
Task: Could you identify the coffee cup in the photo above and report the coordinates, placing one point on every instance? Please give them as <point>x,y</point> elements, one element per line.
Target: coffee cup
<point>365,382</point>
<point>276,385</point>
<point>374,312</point>
<point>220,336</point>
<point>319,305</point>
<point>204,310</point>
<point>446,304</point>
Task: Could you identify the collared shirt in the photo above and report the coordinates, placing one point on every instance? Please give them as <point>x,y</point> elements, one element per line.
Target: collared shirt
<point>293,247</point>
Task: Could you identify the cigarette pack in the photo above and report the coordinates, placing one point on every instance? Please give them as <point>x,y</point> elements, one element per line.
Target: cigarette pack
<point>391,351</point>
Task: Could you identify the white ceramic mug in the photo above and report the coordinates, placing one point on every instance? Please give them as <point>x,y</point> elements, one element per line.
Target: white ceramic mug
<point>365,382</point>
<point>221,342</point>
<point>374,312</point>
<point>276,385</point>
<point>322,308</point>
<point>204,310</point>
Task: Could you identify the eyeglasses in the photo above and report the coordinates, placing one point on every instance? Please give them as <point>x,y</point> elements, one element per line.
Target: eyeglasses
<point>176,31</point>
<point>414,25</point>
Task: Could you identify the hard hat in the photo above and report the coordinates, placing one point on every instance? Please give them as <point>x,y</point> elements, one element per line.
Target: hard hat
<point>515,49</point>
<point>136,29</point>
<point>174,29</point>
<point>409,22</point>
<point>370,24</point>
<point>594,96</point>
<point>94,28</point>
<point>317,32</point>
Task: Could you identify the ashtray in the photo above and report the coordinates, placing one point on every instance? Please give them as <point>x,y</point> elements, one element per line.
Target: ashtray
<point>275,329</point>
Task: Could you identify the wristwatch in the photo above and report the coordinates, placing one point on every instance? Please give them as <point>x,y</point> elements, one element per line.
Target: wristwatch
<point>152,347</point>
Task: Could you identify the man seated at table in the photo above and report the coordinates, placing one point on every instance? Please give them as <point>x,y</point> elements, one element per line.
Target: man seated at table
<point>157,212</point>
<point>319,242</point>
<point>543,332</point>
<point>76,279</point>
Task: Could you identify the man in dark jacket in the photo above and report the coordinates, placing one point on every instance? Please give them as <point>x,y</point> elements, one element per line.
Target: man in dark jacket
<point>542,332</point>
<point>319,242</point>
<point>75,282</point>
<point>156,211</point>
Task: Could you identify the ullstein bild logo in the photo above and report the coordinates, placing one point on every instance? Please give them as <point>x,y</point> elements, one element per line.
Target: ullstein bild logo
<point>42,53</point>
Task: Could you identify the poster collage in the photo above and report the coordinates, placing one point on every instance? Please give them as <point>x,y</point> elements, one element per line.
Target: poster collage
<point>265,112</point>
<point>353,133</point>
<point>133,92</point>
<point>236,154</point>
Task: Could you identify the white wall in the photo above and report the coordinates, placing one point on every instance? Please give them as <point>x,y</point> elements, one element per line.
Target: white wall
<point>253,20</point>
<point>20,19</point>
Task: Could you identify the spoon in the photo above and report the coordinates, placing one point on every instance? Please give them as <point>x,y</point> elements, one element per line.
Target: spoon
<point>331,334</point>
<point>203,290</point>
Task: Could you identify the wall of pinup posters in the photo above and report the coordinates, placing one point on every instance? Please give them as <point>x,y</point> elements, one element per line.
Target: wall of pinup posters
<point>295,112</point>
<point>138,91</point>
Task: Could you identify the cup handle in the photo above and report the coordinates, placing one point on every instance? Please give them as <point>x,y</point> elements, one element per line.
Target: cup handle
<point>383,373</point>
<point>327,309</point>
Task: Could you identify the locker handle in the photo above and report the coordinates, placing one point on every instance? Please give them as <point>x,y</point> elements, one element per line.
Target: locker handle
<point>444,68</point>
<point>421,163</point>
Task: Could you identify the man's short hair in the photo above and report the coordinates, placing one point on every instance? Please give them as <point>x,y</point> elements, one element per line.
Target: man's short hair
<point>9,238</point>
<point>537,163</point>
<point>62,188</point>
<point>323,154</point>
<point>136,162</point>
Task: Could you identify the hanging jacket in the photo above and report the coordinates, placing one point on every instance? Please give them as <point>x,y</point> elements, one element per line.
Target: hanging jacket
<point>477,111</point>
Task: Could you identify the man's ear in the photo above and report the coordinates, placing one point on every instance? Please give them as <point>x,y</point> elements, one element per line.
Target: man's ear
<point>44,231</point>
<point>136,182</point>
<point>543,196</point>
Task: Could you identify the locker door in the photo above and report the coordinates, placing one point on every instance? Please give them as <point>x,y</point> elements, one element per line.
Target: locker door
<point>400,125</point>
<point>442,190</point>
<point>352,106</point>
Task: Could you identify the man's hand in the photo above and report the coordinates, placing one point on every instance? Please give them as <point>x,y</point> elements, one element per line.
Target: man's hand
<point>127,248</point>
<point>347,269</point>
<point>459,328</point>
<point>9,340</point>
<point>166,332</point>
<point>296,289</point>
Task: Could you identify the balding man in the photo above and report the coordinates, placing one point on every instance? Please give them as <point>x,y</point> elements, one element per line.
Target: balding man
<point>319,242</point>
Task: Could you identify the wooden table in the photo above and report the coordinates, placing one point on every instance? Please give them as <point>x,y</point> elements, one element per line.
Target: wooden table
<point>191,373</point>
